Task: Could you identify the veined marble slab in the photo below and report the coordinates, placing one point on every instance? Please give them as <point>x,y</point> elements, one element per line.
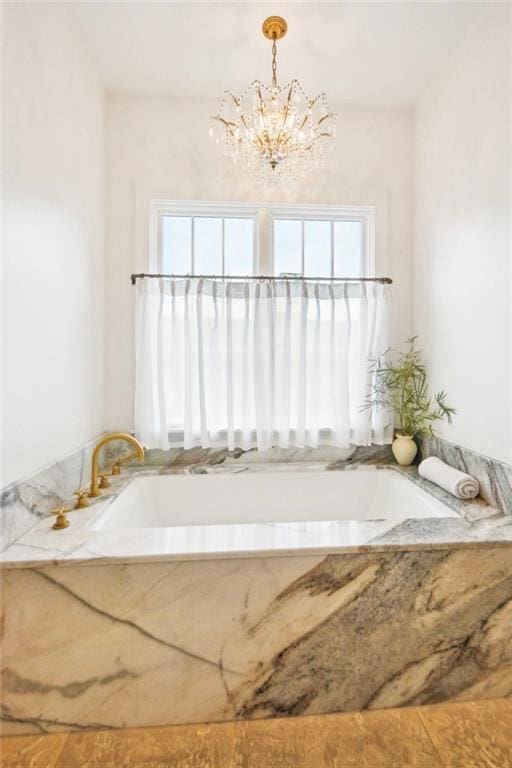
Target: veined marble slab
<point>149,644</point>
<point>495,477</point>
<point>478,525</point>
<point>24,503</point>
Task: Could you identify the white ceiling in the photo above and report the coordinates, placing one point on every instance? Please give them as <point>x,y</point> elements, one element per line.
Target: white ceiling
<point>360,53</point>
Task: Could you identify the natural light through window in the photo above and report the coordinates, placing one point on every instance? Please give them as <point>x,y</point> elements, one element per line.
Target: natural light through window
<point>207,245</point>
<point>259,362</point>
<point>238,239</point>
<point>322,248</point>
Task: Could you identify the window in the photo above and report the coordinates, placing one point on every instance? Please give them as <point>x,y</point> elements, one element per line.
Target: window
<point>219,367</point>
<point>323,247</point>
<point>215,244</point>
<point>239,239</point>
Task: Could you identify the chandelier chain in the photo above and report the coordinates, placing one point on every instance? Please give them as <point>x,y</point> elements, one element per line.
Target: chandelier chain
<point>274,62</point>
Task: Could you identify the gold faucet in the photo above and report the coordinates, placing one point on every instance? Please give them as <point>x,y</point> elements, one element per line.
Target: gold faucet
<point>139,453</point>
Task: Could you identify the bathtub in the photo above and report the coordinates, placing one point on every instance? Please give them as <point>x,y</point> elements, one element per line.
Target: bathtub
<point>241,498</point>
<point>253,591</point>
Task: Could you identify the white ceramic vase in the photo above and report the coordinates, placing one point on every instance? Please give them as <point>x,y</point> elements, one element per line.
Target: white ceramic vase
<point>404,449</point>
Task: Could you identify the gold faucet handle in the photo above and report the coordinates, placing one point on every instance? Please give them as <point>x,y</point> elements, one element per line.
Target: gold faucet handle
<point>81,499</point>
<point>61,521</point>
<point>104,481</point>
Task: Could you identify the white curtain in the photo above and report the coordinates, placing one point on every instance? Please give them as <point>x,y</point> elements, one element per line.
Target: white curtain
<point>235,363</point>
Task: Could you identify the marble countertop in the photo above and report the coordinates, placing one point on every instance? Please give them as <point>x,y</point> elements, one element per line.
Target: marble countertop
<point>477,525</point>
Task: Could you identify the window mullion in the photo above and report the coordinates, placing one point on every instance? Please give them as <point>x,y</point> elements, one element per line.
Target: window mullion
<point>264,261</point>
<point>223,246</point>
<point>160,240</point>
<point>332,247</point>
<point>192,246</point>
<point>256,244</point>
<point>366,267</point>
<point>302,247</point>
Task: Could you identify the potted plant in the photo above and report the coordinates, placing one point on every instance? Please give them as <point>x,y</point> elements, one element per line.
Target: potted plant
<point>400,386</point>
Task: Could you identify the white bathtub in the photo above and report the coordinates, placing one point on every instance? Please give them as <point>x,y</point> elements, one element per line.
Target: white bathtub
<point>164,501</point>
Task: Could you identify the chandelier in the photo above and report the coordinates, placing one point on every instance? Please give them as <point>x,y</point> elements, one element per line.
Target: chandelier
<point>277,133</point>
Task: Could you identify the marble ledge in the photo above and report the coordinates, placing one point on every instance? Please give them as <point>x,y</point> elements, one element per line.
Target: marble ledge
<point>478,525</point>
<point>494,477</point>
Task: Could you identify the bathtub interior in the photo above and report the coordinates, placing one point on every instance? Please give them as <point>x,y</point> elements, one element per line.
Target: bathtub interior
<point>267,497</point>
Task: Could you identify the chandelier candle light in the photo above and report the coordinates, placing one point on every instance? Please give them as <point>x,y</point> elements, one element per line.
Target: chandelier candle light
<point>277,133</point>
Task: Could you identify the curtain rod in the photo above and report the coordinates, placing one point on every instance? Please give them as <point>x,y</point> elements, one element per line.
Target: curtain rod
<point>385,280</point>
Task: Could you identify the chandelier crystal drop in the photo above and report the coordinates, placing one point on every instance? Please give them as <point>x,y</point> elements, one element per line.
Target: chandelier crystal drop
<point>277,133</point>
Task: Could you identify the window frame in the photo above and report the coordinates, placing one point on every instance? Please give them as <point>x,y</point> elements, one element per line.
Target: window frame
<point>263,216</point>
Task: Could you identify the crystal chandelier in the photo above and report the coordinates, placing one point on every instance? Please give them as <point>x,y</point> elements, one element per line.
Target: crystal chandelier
<point>276,133</point>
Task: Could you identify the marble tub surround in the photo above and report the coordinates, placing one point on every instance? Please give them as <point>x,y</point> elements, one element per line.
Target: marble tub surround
<point>249,638</point>
<point>204,459</point>
<point>471,510</point>
<point>494,477</point>
<point>477,525</point>
<point>253,620</point>
<point>24,503</point>
<point>336,457</point>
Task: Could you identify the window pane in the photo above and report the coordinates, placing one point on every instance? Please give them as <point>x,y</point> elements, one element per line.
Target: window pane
<point>348,249</point>
<point>207,246</point>
<point>317,248</point>
<point>238,246</point>
<point>176,244</point>
<point>287,246</point>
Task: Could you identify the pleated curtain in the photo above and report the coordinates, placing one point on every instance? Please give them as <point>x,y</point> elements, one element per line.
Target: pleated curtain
<point>258,363</point>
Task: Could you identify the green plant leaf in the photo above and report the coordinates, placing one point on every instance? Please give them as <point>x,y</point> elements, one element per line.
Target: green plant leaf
<point>399,384</point>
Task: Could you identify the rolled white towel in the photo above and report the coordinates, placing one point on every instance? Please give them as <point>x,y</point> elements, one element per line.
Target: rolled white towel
<point>458,483</point>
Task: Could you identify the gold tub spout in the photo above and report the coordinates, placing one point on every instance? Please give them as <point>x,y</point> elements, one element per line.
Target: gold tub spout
<point>139,453</point>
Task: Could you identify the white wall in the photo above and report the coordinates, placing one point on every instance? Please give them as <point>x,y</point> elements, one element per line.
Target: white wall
<point>462,266</point>
<point>160,147</point>
<point>53,240</point>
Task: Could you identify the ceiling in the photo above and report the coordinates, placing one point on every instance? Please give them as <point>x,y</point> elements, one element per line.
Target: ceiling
<point>364,54</point>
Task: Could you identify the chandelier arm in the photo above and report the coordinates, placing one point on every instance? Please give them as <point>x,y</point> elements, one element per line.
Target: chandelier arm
<point>282,137</point>
<point>261,111</point>
<point>266,132</point>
